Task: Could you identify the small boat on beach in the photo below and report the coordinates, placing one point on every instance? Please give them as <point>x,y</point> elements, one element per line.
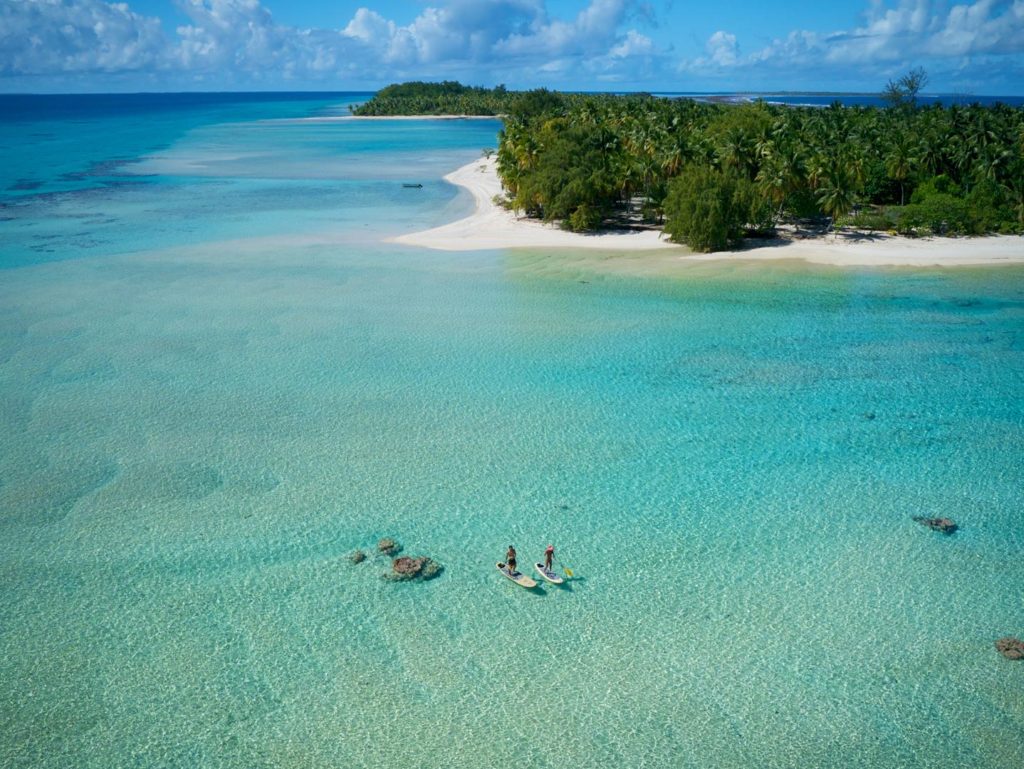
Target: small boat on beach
<point>516,576</point>
<point>412,185</point>
<point>548,574</point>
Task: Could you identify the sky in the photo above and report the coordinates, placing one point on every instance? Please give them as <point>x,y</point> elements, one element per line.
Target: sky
<point>71,46</point>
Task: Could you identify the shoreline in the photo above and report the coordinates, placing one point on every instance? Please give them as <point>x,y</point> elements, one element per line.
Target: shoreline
<point>348,118</point>
<point>491,227</point>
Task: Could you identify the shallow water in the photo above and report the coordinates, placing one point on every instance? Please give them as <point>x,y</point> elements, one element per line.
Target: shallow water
<point>239,384</point>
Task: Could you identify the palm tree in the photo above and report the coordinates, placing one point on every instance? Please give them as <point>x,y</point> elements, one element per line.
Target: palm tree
<point>780,176</point>
<point>1014,190</point>
<point>900,162</point>
<point>835,191</point>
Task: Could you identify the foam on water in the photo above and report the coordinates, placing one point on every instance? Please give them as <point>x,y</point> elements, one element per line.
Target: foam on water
<point>196,436</point>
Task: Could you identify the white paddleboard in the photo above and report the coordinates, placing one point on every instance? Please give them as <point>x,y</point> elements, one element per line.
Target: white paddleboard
<point>518,577</point>
<point>548,574</point>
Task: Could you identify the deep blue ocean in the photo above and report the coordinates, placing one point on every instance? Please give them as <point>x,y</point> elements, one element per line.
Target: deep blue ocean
<point>219,378</point>
<point>848,99</point>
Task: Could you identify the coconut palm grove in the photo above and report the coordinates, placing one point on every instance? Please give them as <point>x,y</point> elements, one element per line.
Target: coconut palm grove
<point>715,173</point>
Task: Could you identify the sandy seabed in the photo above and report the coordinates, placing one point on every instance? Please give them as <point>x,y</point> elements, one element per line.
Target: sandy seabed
<point>492,227</point>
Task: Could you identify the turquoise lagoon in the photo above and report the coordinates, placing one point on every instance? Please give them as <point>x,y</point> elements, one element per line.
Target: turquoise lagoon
<point>219,380</point>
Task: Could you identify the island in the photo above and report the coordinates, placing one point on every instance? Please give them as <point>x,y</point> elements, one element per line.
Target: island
<point>651,171</point>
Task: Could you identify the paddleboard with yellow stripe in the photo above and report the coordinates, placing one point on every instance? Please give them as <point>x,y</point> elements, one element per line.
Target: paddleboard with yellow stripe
<point>518,577</point>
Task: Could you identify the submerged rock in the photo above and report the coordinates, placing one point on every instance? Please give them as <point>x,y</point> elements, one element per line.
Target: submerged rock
<point>407,567</point>
<point>1011,648</point>
<point>389,546</point>
<point>945,525</point>
<point>357,557</point>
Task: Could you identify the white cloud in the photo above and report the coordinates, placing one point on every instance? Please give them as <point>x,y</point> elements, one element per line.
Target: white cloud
<point>980,28</point>
<point>241,37</point>
<point>593,30</point>
<point>50,36</point>
<point>722,49</point>
<point>635,44</point>
<point>239,40</point>
<point>908,32</point>
<point>499,30</point>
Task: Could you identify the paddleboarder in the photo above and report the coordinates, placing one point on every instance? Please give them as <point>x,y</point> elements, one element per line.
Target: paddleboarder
<point>510,559</point>
<point>549,553</point>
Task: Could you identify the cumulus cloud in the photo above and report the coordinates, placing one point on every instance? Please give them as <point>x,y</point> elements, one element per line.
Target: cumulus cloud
<point>911,30</point>
<point>635,44</point>
<point>50,36</point>
<point>593,29</point>
<point>981,28</point>
<point>722,49</point>
<point>241,40</point>
<point>238,42</point>
<point>241,36</point>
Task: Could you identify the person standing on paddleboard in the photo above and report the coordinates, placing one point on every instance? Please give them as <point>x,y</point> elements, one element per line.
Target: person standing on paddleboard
<point>549,553</point>
<point>510,559</point>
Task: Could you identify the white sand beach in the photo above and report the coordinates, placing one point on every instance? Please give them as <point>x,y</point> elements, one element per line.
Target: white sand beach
<point>492,227</point>
<point>882,250</point>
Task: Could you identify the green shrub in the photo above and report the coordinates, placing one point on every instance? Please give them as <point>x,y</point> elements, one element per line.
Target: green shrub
<point>754,208</point>
<point>803,205</point>
<point>939,214</point>
<point>937,185</point>
<point>701,210</point>
<point>989,206</point>
<point>567,178</point>
<point>584,219</point>
<point>870,220</point>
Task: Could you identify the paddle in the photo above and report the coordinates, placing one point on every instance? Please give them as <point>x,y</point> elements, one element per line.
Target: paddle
<point>568,572</point>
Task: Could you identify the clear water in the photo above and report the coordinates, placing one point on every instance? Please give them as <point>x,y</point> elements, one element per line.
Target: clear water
<point>215,394</point>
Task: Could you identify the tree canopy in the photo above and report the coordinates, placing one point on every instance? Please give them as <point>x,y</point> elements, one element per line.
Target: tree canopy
<point>586,159</point>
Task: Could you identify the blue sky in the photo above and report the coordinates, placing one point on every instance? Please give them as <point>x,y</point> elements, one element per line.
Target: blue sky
<point>971,46</point>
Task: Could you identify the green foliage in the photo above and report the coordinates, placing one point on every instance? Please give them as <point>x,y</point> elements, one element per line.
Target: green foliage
<point>1014,190</point>
<point>537,103</point>
<point>804,205</point>
<point>583,159</point>
<point>936,185</point>
<point>584,219</point>
<point>870,220</point>
<point>903,91</point>
<point>566,182</point>
<point>738,134</point>
<point>939,214</point>
<point>938,207</point>
<point>756,209</point>
<point>446,98</point>
<point>989,206</point>
<point>702,210</point>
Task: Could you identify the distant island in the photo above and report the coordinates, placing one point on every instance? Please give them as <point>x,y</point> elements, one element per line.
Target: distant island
<point>714,174</point>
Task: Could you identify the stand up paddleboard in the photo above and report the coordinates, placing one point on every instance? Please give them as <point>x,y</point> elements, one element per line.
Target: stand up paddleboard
<point>518,577</point>
<point>548,574</point>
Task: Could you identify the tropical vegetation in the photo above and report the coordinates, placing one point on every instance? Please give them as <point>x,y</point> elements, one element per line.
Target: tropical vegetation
<point>714,173</point>
<point>447,98</point>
